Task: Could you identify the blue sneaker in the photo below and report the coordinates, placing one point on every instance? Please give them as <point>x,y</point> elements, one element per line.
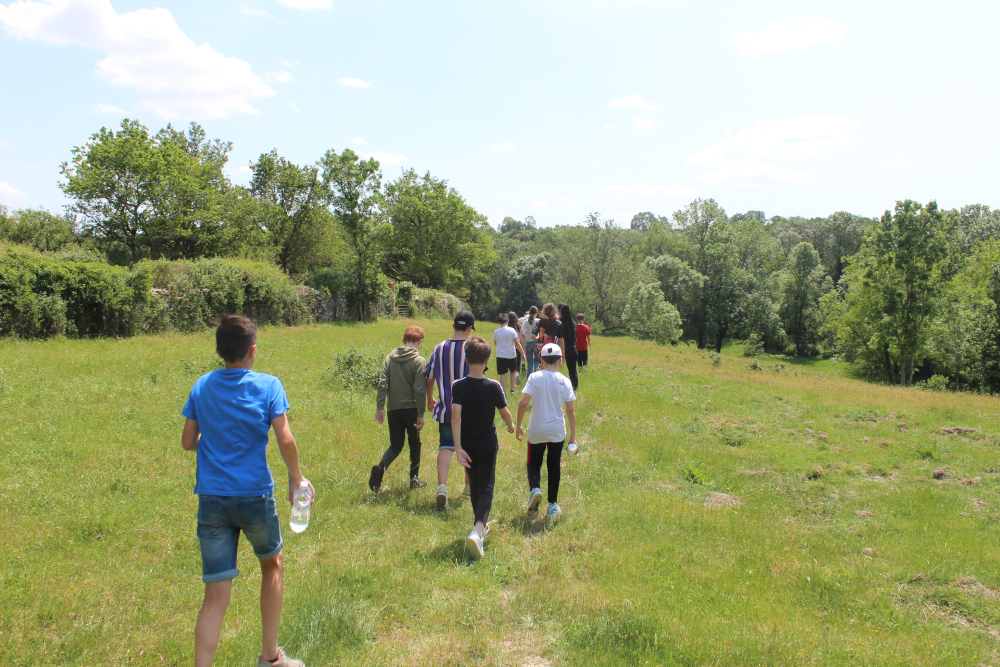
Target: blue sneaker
<point>534,500</point>
<point>553,510</point>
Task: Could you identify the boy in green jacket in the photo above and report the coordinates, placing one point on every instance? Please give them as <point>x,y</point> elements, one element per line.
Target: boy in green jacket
<point>402,382</point>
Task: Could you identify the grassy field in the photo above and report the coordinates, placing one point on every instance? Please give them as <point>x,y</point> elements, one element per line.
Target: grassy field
<point>716,515</point>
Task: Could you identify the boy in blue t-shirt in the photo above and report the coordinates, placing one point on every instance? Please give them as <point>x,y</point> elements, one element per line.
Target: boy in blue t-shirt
<point>229,414</point>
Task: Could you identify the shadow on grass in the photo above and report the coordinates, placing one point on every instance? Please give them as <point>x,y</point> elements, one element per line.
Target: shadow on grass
<point>453,552</point>
<point>530,523</point>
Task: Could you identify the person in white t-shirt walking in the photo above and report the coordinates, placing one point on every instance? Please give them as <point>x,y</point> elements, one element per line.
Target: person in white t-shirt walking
<point>508,344</point>
<point>551,391</point>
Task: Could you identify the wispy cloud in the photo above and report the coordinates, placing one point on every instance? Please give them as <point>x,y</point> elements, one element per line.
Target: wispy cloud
<point>252,11</point>
<point>386,159</point>
<point>281,77</point>
<point>563,202</point>
<point>632,102</point>
<point>289,63</point>
<point>294,107</point>
<point>107,109</point>
<point>307,4</point>
<point>782,35</point>
<point>358,141</point>
<point>147,51</point>
<point>9,193</point>
<point>767,148</point>
<point>642,123</point>
<point>502,147</point>
<point>646,190</point>
<point>351,82</point>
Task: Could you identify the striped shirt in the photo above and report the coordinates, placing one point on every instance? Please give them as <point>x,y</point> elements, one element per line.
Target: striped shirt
<point>446,365</point>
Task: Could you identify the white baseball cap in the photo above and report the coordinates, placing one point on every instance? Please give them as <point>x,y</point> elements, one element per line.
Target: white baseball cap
<point>550,350</point>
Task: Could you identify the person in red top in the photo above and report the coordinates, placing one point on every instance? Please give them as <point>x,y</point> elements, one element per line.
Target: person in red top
<point>582,340</point>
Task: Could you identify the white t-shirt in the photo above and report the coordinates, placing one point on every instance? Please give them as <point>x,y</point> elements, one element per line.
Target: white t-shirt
<point>504,338</point>
<point>526,330</point>
<point>548,391</point>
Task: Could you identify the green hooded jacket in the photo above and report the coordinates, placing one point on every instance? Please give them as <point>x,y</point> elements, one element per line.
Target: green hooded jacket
<point>402,381</point>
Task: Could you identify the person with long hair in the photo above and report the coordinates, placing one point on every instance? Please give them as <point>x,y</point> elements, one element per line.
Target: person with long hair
<point>567,341</point>
<point>530,345</point>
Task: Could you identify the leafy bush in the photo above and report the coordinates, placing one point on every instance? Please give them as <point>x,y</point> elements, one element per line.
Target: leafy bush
<point>647,315</point>
<point>693,472</point>
<point>404,292</point>
<point>355,369</point>
<point>935,382</point>
<point>753,346</point>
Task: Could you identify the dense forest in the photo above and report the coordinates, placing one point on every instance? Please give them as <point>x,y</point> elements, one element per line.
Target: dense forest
<point>909,297</point>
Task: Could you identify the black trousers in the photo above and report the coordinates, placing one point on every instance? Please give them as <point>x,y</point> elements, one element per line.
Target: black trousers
<point>402,424</point>
<point>482,475</point>
<point>581,358</point>
<point>571,367</point>
<point>536,452</point>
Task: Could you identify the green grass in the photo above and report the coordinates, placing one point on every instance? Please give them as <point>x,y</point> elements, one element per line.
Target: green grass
<point>715,515</point>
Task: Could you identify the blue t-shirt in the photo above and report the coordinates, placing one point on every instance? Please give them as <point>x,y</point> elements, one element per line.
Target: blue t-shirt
<point>234,408</point>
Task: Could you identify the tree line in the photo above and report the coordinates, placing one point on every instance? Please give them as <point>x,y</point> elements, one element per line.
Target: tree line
<point>911,296</point>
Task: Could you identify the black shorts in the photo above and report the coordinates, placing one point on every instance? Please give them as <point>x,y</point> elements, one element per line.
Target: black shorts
<point>505,366</point>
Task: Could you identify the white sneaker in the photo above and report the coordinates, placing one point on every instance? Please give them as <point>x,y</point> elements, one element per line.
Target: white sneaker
<point>442,497</point>
<point>553,510</point>
<point>467,491</point>
<point>534,500</point>
<point>474,544</point>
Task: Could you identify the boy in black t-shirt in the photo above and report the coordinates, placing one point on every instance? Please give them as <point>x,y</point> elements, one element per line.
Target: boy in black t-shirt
<point>474,401</point>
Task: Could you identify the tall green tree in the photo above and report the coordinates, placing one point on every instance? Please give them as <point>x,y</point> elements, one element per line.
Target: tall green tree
<point>354,194</point>
<point>800,291</point>
<point>436,239</point>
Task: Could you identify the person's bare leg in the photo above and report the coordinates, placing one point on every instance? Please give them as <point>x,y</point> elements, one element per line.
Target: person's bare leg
<point>444,462</point>
<point>209,626</point>
<point>271,591</point>
<point>480,528</point>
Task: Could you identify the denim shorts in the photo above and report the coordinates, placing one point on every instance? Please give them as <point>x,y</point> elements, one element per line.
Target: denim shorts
<point>220,520</point>
<point>445,439</point>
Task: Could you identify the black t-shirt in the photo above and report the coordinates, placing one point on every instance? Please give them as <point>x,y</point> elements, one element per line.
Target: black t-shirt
<point>480,398</point>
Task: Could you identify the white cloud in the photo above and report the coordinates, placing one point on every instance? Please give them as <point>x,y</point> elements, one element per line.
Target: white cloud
<point>766,149</point>
<point>358,141</point>
<point>609,127</point>
<point>564,202</point>
<point>503,146</point>
<point>294,107</point>
<point>645,190</point>
<point>252,11</point>
<point>351,82</point>
<point>633,102</point>
<point>289,63</point>
<point>9,193</point>
<point>4,143</point>
<point>782,35</point>
<point>281,77</point>
<point>386,159</point>
<point>307,4</point>
<point>642,123</point>
<point>147,51</point>
<point>108,109</point>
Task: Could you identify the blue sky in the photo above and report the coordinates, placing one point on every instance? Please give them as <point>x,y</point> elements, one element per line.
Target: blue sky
<point>546,108</point>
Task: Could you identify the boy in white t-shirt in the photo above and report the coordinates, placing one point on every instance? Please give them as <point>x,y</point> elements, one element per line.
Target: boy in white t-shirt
<point>551,391</point>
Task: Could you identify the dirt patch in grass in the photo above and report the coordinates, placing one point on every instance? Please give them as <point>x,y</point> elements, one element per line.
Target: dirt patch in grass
<point>958,430</point>
<point>719,499</point>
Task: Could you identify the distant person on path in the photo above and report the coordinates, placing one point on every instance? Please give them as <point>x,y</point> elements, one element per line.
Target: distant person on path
<point>229,413</point>
<point>447,365</point>
<point>551,392</point>
<point>515,324</point>
<point>582,340</point>
<point>508,345</point>
<point>567,341</point>
<point>474,402</point>
<point>530,345</point>
<point>402,381</point>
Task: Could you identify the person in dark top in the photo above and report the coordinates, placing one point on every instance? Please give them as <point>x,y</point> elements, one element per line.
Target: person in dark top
<point>567,341</point>
<point>474,402</point>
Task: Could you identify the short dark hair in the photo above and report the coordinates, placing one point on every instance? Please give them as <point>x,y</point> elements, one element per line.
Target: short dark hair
<point>233,336</point>
<point>579,317</point>
<point>502,319</point>
<point>552,359</point>
<point>477,350</point>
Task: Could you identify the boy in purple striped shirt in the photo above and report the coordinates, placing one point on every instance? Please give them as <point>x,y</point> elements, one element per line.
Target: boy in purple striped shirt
<point>446,365</point>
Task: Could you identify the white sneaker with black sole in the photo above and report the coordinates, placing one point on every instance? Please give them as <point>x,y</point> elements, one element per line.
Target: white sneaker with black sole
<point>475,545</point>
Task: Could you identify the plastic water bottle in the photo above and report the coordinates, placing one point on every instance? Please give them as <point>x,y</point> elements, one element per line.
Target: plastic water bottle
<point>301,502</point>
<point>572,448</point>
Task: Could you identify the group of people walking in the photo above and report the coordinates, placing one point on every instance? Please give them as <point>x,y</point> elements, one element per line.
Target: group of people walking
<point>468,402</point>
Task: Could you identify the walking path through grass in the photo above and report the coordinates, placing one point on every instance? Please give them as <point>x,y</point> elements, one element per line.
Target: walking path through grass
<point>715,515</point>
